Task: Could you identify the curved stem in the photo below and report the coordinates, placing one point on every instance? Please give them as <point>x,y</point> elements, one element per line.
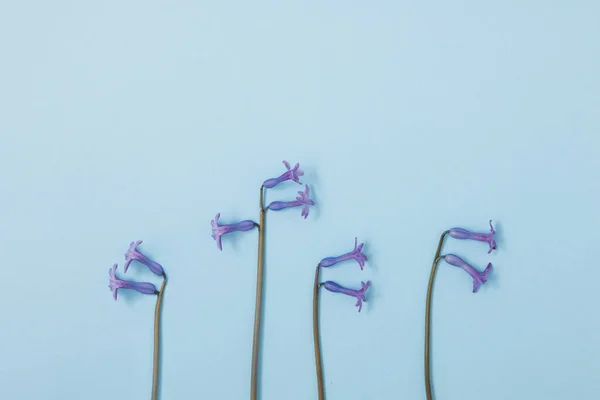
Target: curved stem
<point>155,369</point>
<point>317,339</point>
<point>428,317</point>
<point>259,297</point>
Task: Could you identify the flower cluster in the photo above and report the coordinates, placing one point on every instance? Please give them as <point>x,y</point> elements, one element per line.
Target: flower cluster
<point>133,254</point>
<point>302,200</point>
<point>360,258</point>
<point>479,278</point>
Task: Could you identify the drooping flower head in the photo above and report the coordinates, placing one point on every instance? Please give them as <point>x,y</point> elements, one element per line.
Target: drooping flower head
<point>355,254</point>
<point>114,283</point>
<point>134,255</point>
<point>303,200</point>
<point>460,233</point>
<point>358,293</point>
<point>220,230</point>
<point>479,278</point>
<point>292,174</point>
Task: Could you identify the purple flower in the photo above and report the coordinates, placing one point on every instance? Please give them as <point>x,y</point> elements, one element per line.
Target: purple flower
<point>220,230</point>
<point>292,174</point>
<point>358,293</point>
<point>115,284</point>
<point>479,278</point>
<point>355,254</point>
<point>133,254</point>
<point>460,233</point>
<point>302,200</point>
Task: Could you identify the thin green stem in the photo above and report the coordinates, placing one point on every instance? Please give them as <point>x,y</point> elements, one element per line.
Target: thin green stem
<point>157,312</point>
<point>436,259</point>
<point>259,298</point>
<point>317,339</point>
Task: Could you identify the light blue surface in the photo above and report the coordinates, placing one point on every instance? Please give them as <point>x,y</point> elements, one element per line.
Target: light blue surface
<point>140,120</point>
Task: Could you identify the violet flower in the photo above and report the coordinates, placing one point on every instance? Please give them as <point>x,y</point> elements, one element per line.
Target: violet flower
<point>355,254</point>
<point>302,200</point>
<point>133,254</point>
<point>115,284</point>
<point>292,174</point>
<point>479,278</point>
<point>220,230</point>
<point>358,293</point>
<point>460,233</point>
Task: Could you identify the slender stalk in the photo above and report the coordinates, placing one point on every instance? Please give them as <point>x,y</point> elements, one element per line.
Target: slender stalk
<point>259,298</point>
<point>155,369</point>
<point>317,339</point>
<point>428,317</point>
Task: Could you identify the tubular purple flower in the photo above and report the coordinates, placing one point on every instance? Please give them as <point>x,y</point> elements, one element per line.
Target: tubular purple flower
<point>355,254</point>
<point>115,284</point>
<point>133,254</point>
<point>479,278</point>
<point>460,233</point>
<point>358,293</point>
<point>302,200</point>
<point>292,174</point>
<point>220,230</point>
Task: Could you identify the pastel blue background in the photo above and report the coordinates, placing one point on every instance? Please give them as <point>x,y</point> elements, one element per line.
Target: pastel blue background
<point>140,120</point>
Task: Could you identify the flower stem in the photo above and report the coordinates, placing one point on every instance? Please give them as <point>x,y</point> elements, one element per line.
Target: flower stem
<point>259,298</point>
<point>317,339</point>
<point>428,317</point>
<point>155,369</point>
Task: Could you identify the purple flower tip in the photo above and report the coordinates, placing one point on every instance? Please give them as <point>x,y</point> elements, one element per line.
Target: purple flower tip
<point>112,280</point>
<point>130,255</point>
<point>305,200</point>
<point>216,233</point>
<point>295,173</point>
<point>220,230</point>
<point>492,242</point>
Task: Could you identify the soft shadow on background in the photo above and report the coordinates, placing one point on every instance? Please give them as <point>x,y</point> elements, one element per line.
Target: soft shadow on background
<point>142,120</point>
